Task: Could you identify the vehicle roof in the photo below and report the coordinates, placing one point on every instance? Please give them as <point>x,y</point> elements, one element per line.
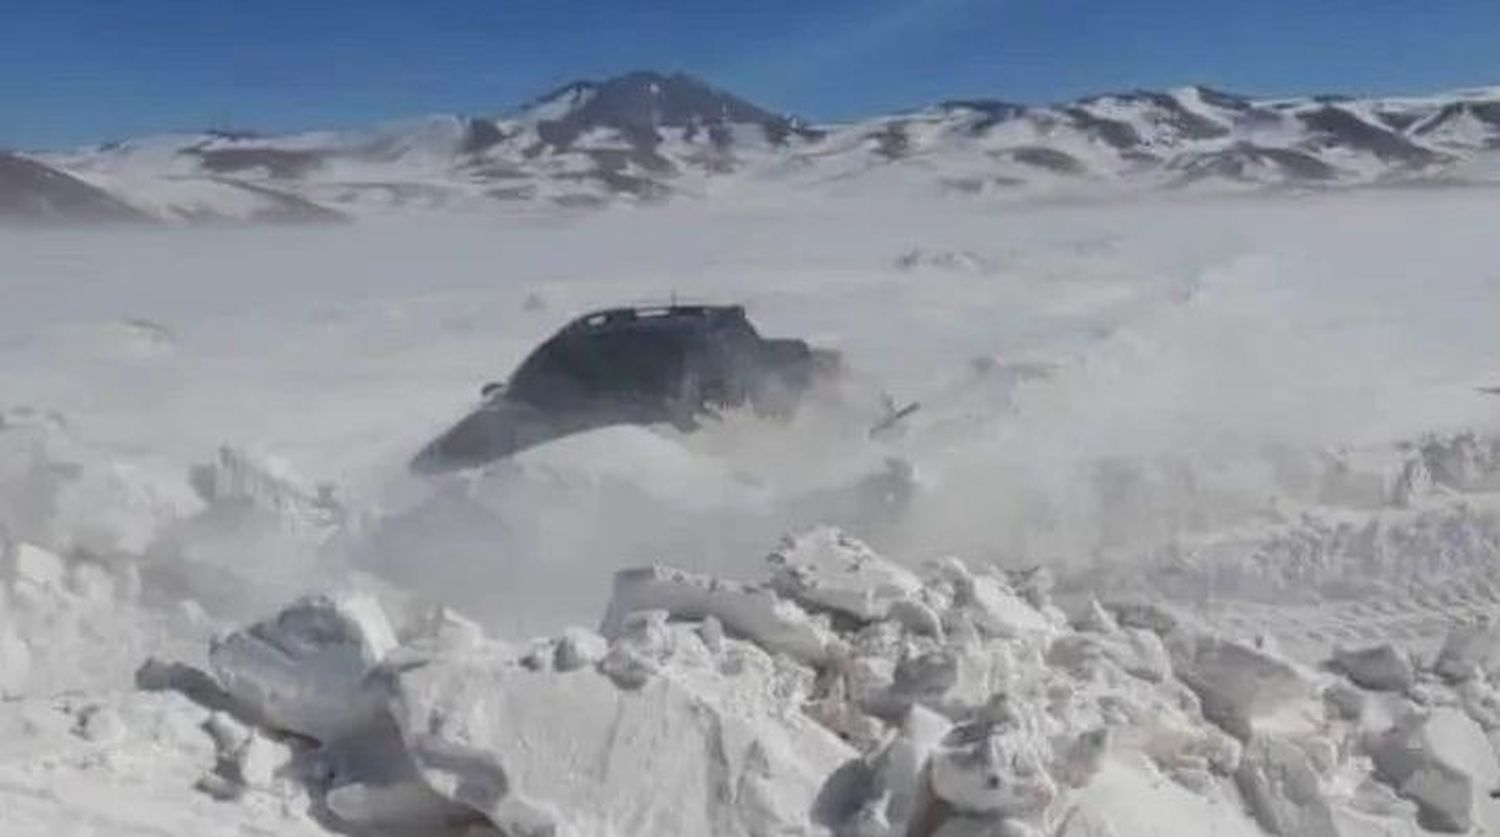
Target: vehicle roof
<point>607,318</point>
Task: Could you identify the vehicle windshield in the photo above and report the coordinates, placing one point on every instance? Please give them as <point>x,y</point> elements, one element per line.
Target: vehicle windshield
<point>641,361</point>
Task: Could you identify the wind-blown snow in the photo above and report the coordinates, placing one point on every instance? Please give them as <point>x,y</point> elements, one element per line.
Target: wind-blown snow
<point>1248,413</point>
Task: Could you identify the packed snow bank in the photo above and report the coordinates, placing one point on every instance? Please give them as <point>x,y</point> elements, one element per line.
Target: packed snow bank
<point>78,624</point>
<point>843,694</point>
<point>105,559</point>
<point>59,491</point>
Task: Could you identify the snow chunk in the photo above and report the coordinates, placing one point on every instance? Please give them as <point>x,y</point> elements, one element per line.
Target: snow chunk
<point>1281,786</point>
<point>995,766</point>
<point>756,613</point>
<point>306,670</point>
<point>900,775</point>
<point>1238,683</point>
<point>1469,649</point>
<point>15,658</point>
<point>826,569</point>
<point>991,604</point>
<point>570,754</point>
<point>128,763</point>
<point>1382,668</point>
<point>643,643</point>
<point>1129,798</point>
<point>236,480</point>
<point>54,612</point>
<point>402,807</point>
<point>1444,763</point>
<point>1147,616</point>
<point>1137,652</point>
<point>578,648</point>
<point>37,568</point>
<point>1091,617</point>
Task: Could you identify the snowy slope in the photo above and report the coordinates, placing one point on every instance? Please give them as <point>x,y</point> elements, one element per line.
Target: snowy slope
<point>32,191</point>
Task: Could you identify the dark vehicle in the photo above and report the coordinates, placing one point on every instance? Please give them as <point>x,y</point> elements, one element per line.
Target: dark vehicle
<point>640,365</point>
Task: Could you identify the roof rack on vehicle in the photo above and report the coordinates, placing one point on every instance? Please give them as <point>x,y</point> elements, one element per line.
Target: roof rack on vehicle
<point>630,313</point>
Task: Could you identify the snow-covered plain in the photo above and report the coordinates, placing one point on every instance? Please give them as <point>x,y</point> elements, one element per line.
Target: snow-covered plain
<point>1260,416</point>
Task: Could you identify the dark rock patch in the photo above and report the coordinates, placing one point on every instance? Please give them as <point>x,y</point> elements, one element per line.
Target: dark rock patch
<point>35,193</point>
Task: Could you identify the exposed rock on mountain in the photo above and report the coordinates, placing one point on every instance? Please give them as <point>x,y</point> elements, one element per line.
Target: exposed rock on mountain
<point>649,136</point>
<point>31,191</point>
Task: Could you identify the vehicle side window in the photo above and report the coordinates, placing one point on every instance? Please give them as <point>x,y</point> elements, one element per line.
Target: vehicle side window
<point>637,364</point>
<point>555,375</point>
<point>629,364</point>
<point>735,329</point>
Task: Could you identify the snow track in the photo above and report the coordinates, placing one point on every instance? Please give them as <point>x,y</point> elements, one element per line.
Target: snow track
<point>1340,578</point>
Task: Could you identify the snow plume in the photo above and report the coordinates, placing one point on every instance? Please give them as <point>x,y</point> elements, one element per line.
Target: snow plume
<point>1095,381</point>
<point>1219,473</point>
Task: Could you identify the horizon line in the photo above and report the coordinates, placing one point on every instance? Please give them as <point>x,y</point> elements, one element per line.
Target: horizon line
<point>1492,88</point>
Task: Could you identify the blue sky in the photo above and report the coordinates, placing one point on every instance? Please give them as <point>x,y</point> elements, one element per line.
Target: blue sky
<point>78,71</point>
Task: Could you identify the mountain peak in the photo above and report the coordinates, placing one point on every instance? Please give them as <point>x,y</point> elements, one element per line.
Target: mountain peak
<point>1218,98</point>
<point>639,102</point>
<point>677,96</point>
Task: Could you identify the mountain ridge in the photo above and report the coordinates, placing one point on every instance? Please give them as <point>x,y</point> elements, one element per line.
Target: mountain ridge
<point>649,136</point>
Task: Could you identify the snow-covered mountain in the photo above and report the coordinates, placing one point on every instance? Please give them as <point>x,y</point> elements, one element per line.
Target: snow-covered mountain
<point>648,136</point>
<point>33,192</point>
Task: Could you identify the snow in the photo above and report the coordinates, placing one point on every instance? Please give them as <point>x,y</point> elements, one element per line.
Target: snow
<point>1101,148</point>
<point>822,569</point>
<point>1195,531</point>
<point>1382,668</point>
<point>1130,799</point>
<point>264,669</point>
<point>565,101</point>
<point>1443,763</point>
<point>752,611</point>
<point>687,726</point>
